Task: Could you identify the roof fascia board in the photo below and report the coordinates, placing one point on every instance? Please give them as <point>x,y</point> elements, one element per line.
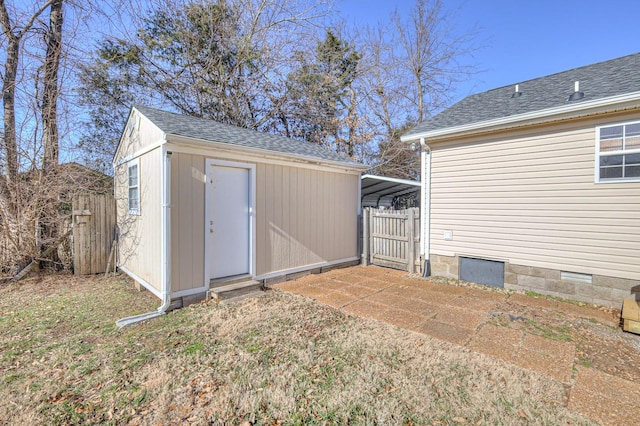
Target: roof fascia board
<point>204,147</point>
<point>390,179</point>
<point>117,151</point>
<point>534,117</point>
<point>140,152</point>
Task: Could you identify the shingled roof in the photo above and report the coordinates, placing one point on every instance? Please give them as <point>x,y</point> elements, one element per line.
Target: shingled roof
<point>212,131</point>
<point>597,82</point>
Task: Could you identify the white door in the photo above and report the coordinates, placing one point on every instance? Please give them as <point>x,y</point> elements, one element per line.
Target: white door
<point>229,221</point>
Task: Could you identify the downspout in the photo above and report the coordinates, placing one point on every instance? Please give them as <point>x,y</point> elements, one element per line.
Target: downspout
<point>166,230</point>
<point>425,206</point>
<point>165,214</point>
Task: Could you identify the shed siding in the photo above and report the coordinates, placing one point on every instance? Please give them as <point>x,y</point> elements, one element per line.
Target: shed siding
<point>187,221</point>
<point>304,217</point>
<point>530,199</point>
<point>140,237</point>
<point>145,134</point>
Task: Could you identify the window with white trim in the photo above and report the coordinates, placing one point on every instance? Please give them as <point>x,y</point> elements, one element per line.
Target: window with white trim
<point>618,153</point>
<point>133,168</point>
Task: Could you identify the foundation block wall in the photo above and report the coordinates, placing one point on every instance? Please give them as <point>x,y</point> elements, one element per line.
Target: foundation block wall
<point>603,290</point>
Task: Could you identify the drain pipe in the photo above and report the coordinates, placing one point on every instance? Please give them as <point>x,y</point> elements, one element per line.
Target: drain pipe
<point>166,247</point>
<point>425,206</point>
<point>166,231</point>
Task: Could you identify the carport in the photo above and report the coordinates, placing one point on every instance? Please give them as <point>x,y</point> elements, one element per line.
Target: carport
<point>381,191</point>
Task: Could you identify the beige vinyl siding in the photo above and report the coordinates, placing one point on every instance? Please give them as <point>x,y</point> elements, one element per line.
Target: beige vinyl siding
<point>303,217</point>
<point>187,221</point>
<point>530,199</point>
<point>140,235</point>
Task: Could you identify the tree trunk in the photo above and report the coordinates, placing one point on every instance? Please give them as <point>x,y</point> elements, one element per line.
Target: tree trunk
<point>8,96</point>
<point>50,94</point>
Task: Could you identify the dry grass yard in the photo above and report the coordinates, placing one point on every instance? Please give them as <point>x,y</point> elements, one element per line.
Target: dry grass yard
<point>277,359</point>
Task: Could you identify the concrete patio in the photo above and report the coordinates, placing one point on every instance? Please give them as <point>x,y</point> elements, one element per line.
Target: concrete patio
<point>489,322</point>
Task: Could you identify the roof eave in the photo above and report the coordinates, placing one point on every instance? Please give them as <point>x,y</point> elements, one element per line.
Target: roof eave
<point>264,152</point>
<point>535,117</point>
<point>390,179</point>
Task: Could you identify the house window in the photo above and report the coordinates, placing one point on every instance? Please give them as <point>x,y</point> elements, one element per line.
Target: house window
<point>134,187</point>
<point>618,155</point>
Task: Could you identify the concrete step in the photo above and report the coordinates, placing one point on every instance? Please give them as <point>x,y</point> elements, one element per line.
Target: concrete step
<point>234,290</point>
<point>221,282</point>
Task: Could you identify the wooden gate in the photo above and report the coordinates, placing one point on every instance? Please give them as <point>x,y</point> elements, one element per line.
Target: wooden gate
<point>391,238</point>
<point>94,224</point>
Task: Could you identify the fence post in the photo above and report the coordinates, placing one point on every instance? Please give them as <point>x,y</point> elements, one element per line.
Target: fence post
<point>410,244</point>
<point>365,237</point>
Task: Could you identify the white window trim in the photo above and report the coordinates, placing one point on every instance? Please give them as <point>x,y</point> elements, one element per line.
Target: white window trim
<point>134,162</point>
<point>628,151</point>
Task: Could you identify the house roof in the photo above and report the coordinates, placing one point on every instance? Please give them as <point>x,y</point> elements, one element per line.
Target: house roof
<point>212,131</point>
<point>379,191</point>
<point>551,93</point>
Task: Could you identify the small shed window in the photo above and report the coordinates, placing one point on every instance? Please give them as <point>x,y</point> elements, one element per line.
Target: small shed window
<point>134,187</point>
<point>618,153</point>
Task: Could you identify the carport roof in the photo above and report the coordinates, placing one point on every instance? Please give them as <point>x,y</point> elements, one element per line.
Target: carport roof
<point>379,191</point>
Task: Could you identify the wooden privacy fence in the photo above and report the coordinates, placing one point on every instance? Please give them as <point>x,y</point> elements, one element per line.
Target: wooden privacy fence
<point>391,238</point>
<point>94,225</point>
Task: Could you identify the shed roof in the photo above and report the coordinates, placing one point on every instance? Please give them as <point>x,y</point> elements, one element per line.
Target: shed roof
<point>597,82</point>
<point>212,131</point>
<point>379,191</point>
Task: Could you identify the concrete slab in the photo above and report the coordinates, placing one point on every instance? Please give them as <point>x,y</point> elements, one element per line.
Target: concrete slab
<point>554,348</point>
<point>336,299</point>
<point>331,285</point>
<point>366,309</point>
<point>357,291</point>
<point>376,284</point>
<point>559,369</point>
<point>497,342</point>
<point>404,319</point>
<point>309,291</point>
<point>446,332</point>
<point>463,318</point>
<point>477,302</point>
<point>614,403</point>
<point>350,278</point>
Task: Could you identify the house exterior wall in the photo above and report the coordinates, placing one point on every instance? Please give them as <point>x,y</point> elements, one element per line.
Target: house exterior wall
<point>305,216</point>
<point>529,198</point>
<point>139,248</point>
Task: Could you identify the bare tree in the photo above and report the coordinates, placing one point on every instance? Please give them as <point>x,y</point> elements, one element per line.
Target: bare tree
<point>33,187</point>
<point>14,33</point>
<point>50,93</point>
<point>430,50</point>
<point>409,67</point>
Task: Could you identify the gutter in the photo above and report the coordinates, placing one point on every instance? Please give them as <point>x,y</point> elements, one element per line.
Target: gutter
<point>166,246</point>
<point>425,206</point>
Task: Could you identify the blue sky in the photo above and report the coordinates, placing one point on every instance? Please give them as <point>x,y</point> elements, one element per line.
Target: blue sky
<point>525,39</point>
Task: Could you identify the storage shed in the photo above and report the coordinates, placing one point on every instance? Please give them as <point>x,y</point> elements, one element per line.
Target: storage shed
<point>201,202</point>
